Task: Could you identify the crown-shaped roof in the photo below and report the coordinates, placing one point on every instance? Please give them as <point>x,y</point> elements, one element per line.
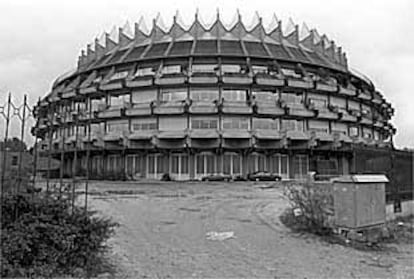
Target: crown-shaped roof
<point>298,40</point>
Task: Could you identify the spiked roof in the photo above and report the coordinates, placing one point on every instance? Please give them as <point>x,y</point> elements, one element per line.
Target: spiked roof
<point>291,43</point>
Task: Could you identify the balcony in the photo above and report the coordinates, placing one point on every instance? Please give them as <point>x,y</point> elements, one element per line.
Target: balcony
<point>326,87</point>
<point>269,80</point>
<point>171,139</point>
<point>110,113</point>
<point>203,78</point>
<point>298,139</point>
<point>347,91</point>
<point>88,90</point>
<point>141,139</point>
<point>112,85</point>
<point>300,83</point>
<point>364,95</point>
<point>295,109</point>
<point>171,79</point>
<point>139,109</point>
<point>204,139</point>
<point>268,108</point>
<point>237,78</point>
<point>323,140</point>
<point>173,107</point>
<point>113,140</point>
<point>325,113</point>
<point>236,139</point>
<point>269,139</point>
<point>201,107</point>
<point>139,81</point>
<point>344,115</point>
<point>68,94</point>
<point>236,107</point>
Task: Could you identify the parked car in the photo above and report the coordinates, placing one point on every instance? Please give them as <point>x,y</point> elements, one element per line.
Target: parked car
<point>263,176</point>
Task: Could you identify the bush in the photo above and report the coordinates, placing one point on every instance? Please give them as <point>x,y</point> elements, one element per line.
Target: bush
<point>48,238</point>
<point>311,207</point>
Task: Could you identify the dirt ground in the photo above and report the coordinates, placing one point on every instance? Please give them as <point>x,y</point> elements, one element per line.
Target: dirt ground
<point>163,227</point>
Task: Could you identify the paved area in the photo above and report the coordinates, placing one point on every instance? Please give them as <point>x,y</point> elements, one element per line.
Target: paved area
<point>163,229</point>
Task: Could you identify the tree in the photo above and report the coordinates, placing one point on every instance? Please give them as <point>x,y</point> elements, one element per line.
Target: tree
<point>14,144</point>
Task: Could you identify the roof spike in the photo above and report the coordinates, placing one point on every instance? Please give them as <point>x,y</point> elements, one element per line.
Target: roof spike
<point>127,30</point>
<point>316,36</point>
<point>274,23</point>
<point>290,27</point>
<point>142,27</point>
<point>304,32</point>
<point>123,39</point>
<point>159,22</point>
<point>255,22</point>
<point>239,16</point>
<point>217,14</point>
<point>101,39</point>
<point>99,49</point>
<point>113,35</point>
<point>233,22</point>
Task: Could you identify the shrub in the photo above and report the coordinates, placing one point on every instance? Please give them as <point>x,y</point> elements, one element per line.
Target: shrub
<point>311,207</point>
<point>48,238</point>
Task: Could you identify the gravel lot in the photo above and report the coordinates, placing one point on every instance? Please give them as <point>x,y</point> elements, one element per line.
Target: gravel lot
<point>163,227</point>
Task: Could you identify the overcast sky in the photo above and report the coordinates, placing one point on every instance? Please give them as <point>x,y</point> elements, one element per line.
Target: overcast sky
<point>42,39</point>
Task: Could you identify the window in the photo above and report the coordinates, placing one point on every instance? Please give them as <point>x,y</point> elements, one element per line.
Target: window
<point>174,95</point>
<point>353,131</point>
<point>204,123</point>
<point>179,164</point>
<point>366,110</point>
<point>155,164</point>
<point>290,73</point>
<point>232,163</point>
<point>120,100</point>
<point>376,135</point>
<point>292,98</point>
<point>172,123</point>
<point>147,96</point>
<point>319,101</point>
<point>171,69</point>
<point>265,124</point>
<point>205,164</point>
<point>118,126</point>
<point>279,164</point>
<point>265,96</point>
<point>97,128</point>
<point>259,69</point>
<point>367,133</point>
<point>144,72</point>
<point>98,104</point>
<point>236,123</point>
<point>352,105</point>
<point>234,95</point>
<point>204,68</point>
<point>292,125</point>
<point>204,95</point>
<point>144,124</point>
<point>338,127</point>
<point>300,166</point>
<point>119,75</point>
<point>338,102</point>
<point>318,126</point>
<point>14,160</point>
<point>233,69</point>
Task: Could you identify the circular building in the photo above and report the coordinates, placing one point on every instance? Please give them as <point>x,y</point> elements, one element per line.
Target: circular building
<point>201,100</point>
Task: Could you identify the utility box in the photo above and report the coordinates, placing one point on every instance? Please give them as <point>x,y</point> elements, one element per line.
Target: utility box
<point>359,200</point>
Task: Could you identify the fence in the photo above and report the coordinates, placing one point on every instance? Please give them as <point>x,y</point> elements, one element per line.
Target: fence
<point>14,164</point>
<point>397,165</point>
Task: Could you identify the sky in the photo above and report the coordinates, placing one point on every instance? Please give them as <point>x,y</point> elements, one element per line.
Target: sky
<point>40,40</point>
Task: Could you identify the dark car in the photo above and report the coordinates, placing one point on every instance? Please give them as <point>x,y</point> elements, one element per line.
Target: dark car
<point>263,176</point>
<point>217,177</point>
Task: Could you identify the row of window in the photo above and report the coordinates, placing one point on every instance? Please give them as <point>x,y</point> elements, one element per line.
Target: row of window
<point>204,164</point>
<point>213,94</point>
<point>214,122</point>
